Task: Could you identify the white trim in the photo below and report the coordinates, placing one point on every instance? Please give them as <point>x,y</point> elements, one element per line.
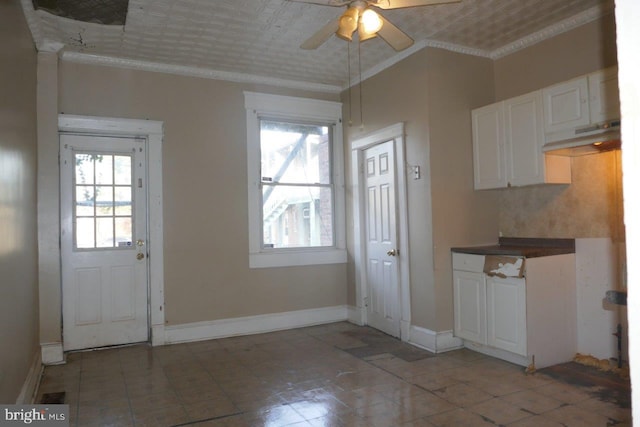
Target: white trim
<point>183,70</point>
<point>153,131</point>
<point>435,342</point>
<point>257,104</point>
<point>393,133</point>
<point>355,315</point>
<point>249,325</point>
<point>52,353</point>
<point>31,383</point>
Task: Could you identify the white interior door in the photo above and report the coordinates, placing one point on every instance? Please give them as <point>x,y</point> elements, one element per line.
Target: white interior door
<point>383,306</point>
<point>103,241</point>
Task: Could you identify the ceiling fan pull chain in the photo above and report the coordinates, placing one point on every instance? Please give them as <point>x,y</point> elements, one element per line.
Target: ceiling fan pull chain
<point>360,88</point>
<point>349,83</point>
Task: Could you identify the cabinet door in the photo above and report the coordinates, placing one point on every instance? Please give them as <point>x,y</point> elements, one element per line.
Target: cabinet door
<point>488,147</point>
<point>507,314</point>
<point>524,137</point>
<point>604,98</point>
<point>469,306</point>
<point>566,107</point>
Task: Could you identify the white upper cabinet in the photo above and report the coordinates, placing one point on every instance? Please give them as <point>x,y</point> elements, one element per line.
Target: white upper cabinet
<point>524,138</point>
<point>507,145</point>
<point>604,96</point>
<point>566,105</point>
<point>581,103</point>
<point>488,147</point>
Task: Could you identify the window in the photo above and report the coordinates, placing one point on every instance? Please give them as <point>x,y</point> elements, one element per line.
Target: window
<point>296,188</point>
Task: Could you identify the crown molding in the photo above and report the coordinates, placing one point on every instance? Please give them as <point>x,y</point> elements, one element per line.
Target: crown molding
<point>110,61</point>
<point>568,24</point>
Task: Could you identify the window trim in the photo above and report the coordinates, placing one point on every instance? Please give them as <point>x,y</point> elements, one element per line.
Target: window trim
<point>303,109</point>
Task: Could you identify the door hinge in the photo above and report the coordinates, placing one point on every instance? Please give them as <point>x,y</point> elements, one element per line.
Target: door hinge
<point>139,182</point>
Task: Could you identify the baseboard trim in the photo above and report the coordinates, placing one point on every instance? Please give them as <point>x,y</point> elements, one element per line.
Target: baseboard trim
<point>157,335</point>
<point>31,383</point>
<point>435,342</point>
<point>52,353</point>
<point>355,315</point>
<point>249,325</point>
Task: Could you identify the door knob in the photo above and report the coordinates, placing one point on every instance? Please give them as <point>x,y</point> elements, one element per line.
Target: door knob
<point>392,252</point>
<point>140,256</point>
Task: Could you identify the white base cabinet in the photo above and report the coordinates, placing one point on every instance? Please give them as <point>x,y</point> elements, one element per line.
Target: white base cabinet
<point>517,319</point>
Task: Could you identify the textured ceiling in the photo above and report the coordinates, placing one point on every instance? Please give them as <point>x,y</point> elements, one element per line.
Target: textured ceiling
<point>261,38</point>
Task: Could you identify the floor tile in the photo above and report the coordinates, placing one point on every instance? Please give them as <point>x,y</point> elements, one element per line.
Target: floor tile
<point>337,375</point>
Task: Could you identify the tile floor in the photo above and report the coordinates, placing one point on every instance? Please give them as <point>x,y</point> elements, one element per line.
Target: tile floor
<point>330,375</point>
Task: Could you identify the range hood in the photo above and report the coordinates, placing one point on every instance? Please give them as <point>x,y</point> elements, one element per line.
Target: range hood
<point>591,140</point>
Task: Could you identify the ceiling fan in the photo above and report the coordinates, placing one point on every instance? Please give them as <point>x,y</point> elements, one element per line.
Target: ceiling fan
<point>361,16</point>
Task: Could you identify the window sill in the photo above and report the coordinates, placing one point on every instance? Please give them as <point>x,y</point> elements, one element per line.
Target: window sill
<point>296,258</point>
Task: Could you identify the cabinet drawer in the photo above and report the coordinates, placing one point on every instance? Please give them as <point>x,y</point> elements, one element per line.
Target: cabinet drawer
<point>468,262</point>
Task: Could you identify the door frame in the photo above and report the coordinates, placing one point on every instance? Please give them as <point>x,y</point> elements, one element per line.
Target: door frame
<point>394,133</point>
<point>152,132</point>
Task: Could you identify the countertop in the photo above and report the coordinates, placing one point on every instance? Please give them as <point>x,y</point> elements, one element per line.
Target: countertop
<point>524,247</point>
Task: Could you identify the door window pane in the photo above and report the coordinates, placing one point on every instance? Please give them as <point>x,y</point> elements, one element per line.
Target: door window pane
<point>123,200</point>
<point>122,170</point>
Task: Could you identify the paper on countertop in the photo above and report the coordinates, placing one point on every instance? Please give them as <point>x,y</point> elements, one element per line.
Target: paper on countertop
<point>503,266</point>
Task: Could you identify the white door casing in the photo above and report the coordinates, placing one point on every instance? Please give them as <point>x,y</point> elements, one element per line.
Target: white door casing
<point>394,134</point>
<point>381,237</point>
<point>152,132</point>
<point>103,241</point>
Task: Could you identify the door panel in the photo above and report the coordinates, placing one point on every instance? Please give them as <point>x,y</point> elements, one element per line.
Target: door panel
<point>470,306</point>
<point>103,241</point>
<point>506,314</point>
<point>383,310</point>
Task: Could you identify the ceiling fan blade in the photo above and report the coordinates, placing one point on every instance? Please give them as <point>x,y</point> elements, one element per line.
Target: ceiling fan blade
<point>322,35</point>
<point>324,2</point>
<point>397,4</point>
<point>394,36</point>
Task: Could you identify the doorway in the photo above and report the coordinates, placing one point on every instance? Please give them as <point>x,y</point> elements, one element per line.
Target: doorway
<point>111,231</point>
<point>381,231</point>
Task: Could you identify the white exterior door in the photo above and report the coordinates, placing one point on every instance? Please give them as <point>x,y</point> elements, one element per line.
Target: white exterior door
<point>383,306</point>
<point>103,241</point>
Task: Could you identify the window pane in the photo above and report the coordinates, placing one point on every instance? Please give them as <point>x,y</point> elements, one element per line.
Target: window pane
<point>104,201</point>
<point>84,233</point>
<point>84,168</point>
<point>122,168</point>
<point>104,169</point>
<point>294,153</point>
<point>123,200</point>
<point>297,216</point>
<point>104,232</point>
<point>123,230</point>
<point>84,200</point>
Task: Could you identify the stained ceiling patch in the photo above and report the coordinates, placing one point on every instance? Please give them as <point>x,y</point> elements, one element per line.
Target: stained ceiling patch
<point>105,12</point>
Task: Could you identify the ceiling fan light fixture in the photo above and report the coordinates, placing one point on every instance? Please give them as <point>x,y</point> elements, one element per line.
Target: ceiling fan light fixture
<point>370,21</point>
<point>348,23</point>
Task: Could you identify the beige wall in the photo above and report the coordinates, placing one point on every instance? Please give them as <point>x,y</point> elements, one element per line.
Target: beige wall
<point>590,206</point>
<point>432,92</point>
<point>207,275</point>
<point>18,247</point>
